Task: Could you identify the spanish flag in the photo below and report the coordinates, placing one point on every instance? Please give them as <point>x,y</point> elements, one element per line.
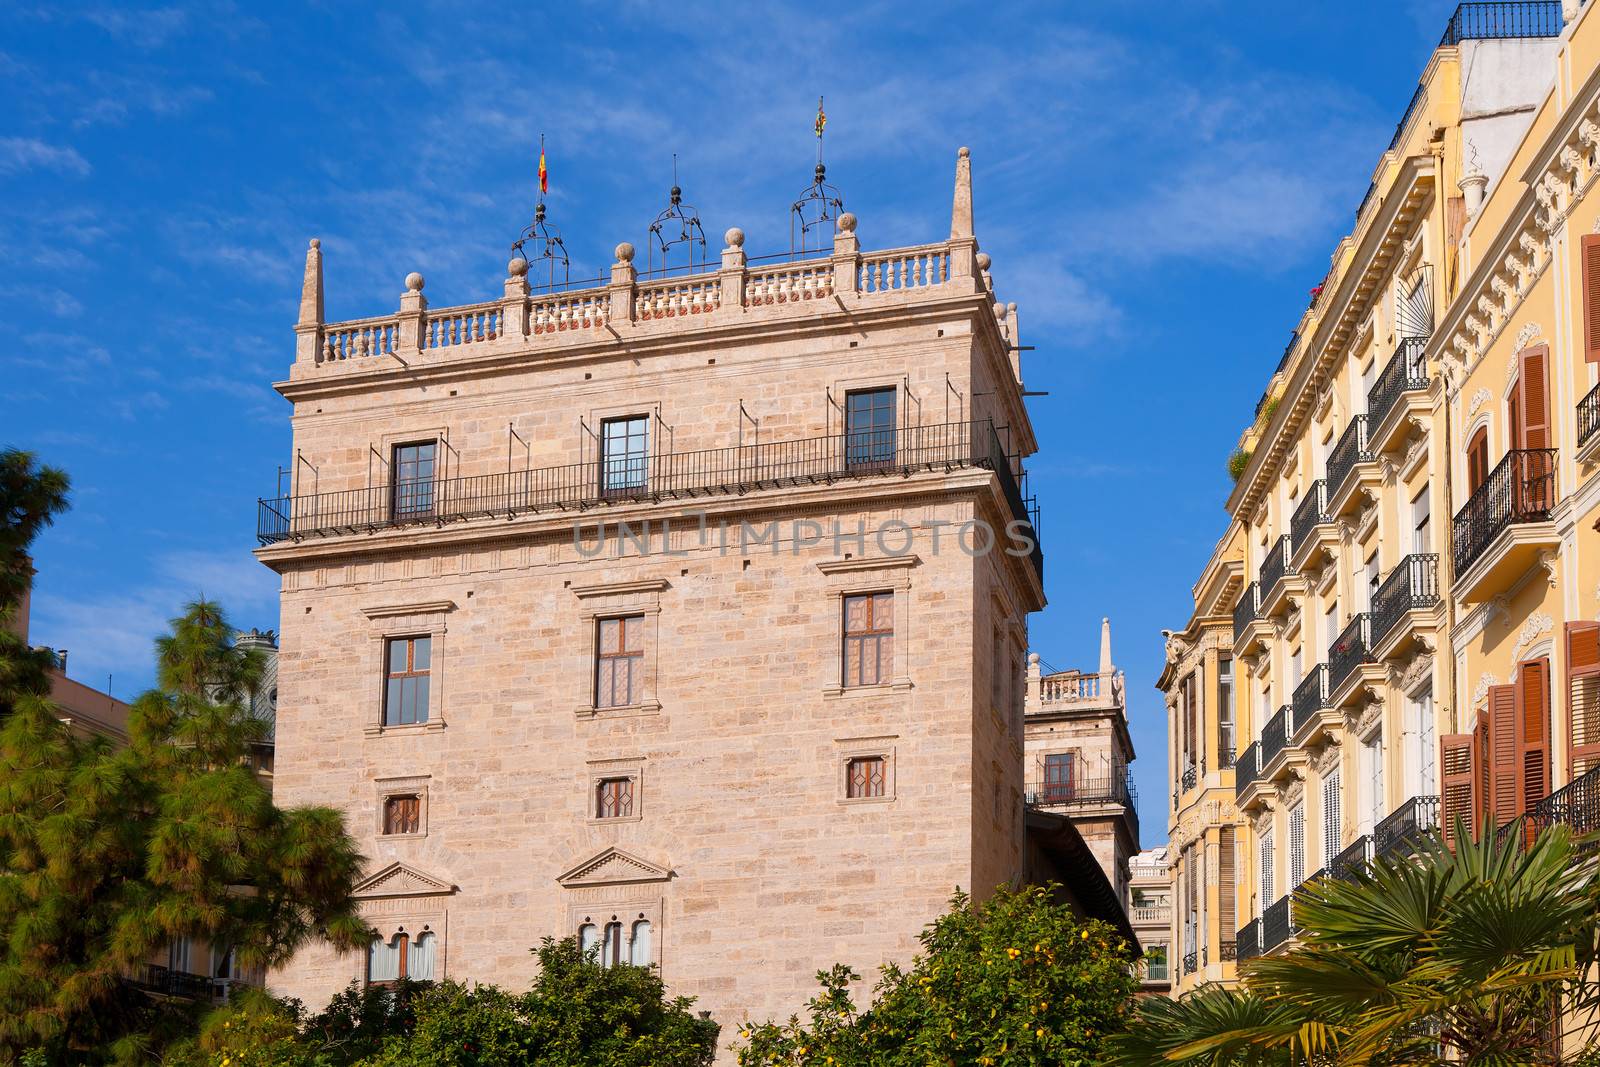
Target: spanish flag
<point>822,120</point>
<point>544,173</point>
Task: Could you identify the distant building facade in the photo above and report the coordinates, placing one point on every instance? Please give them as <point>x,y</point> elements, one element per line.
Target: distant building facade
<point>1150,912</point>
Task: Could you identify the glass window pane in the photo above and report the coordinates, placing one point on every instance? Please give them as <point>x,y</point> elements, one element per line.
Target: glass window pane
<point>639,951</point>
<point>588,938</point>
<point>610,635</point>
<point>421,698</point>
<point>397,657</point>
<point>422,653</point>
<point>855,614</point>
<point>391,708</point>
<point>419,967</point>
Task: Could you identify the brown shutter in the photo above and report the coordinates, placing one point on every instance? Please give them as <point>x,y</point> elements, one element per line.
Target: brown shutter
<point>1533,732</point>
<point>1535,392</point>
<point>1457,783</point>
<point>1477,460</point>
<point>1504,794</point>
<point>1583,696</point>
<point>1227,908</point>
<point>1591,297</point>
<point>1482,763</point>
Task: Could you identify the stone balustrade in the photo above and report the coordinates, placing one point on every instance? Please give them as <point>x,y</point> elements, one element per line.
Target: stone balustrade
<point>1072,687</point>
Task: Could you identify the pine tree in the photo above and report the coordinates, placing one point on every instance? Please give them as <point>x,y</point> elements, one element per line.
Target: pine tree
<point>108,854</point>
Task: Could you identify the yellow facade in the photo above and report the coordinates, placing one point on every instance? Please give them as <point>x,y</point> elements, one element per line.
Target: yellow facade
<point>1397,571</point>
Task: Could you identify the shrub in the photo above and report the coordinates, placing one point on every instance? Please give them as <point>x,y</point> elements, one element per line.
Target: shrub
<point>1238,462</point>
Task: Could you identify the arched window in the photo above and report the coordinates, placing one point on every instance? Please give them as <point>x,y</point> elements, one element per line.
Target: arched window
<point>386,962</point>
<point>419,967</point>
<point>1478,459</point>
<point>639,945</point>
<point>611,952</point>
<point>588,939</point>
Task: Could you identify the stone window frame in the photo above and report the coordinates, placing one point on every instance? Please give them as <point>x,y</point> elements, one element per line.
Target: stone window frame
<point>390,621</point>
<point>609,600</point>
<point>606,909</point>
<point>409,785</point>
<point>629,767</point>
<point>880,746</point>
<point>853,577</point>
<point>413,925</point>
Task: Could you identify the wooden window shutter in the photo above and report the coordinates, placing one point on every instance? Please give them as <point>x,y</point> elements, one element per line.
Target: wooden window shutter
<point>1583,696</point>
<point>1458,779</point>
<point>1534,389</point>
<point>1591,297</point>
<point>1533,733</point>
<point>1503,762</point>
<point>1227,902</point>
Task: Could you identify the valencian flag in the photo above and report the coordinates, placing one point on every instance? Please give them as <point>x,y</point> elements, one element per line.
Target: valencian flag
<point>544,173</point>
<point>822,120</point>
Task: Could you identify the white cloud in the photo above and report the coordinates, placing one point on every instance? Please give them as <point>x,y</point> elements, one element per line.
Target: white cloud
<point>18,154</point>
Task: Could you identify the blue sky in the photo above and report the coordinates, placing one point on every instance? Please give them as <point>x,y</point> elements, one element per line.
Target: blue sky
<point>1159,186</point>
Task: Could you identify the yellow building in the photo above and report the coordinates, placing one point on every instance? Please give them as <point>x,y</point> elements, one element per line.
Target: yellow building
<point>1434,374</point>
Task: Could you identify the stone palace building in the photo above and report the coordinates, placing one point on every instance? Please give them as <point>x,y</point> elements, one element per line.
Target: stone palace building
<point>685,613</point>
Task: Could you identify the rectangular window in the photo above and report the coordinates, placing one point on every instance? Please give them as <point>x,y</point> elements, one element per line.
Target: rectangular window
<point>1059,776</point>
<point>619,661</point>
<point>868,639</point>
<point>1332,818</point>
<point>1297,845</point>
<point>624,454</point>
<point>869,428</point>
<point>865,777</point>
<point>1188,709</point>
<point>413,469</point>
<point>405,698</point>
<point>1227,741</point>
<point>1372,802</point>
<point>1421,522</point>
<point>1268,883</point>
<point>1155,963</point>
<point>402,814</point>
<point>614,798</point>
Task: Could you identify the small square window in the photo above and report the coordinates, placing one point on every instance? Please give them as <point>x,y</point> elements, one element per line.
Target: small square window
<point>402,813</point>
<point>868,639</point>
<point>865,777</point>
<point>619,661</point>
<point>613,798</point>
<point>405,698</point>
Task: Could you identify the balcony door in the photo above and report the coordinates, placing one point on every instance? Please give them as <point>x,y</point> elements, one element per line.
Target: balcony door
<point>1059,777</point>
<point>624,455</point>
<point>869,428</point>
<point>1529,411</point>
<point>413,469</point>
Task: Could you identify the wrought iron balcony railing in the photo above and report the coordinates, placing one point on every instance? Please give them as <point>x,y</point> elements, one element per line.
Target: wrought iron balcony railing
<point>1401,828</point>
<point>1311,513</point>
<point>1277,923</point>
<point>1246,768</point>
<point>1249,940</point>
<point>1275,734</point>
<point>1589,416</point>
<point>1413,584</point>
<point>1353,859</point>
<point>1406,370</point>
<point>1351,650</point>
<point>1498,21</point>
<point>1248,609</point>
<point>1227,951</point>
<point>1188,778</point>
<point>181,984</point>
<point>1310,696</point>
<point>1113,787</point>
<point>1351,449</point>
<point>1576,804</point>
<point>1521,488</point>
<point>1275,566</point>
<point>1226,754</point>
<point>1191,962</point>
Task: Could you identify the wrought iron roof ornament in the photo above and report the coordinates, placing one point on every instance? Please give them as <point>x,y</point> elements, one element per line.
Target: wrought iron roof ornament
<point>683,219</point>
<point>541,241</point>
<point>815,216</point>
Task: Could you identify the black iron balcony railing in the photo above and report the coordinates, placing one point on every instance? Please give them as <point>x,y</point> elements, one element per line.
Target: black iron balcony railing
<point>1495,21</point>
<point>1589,416</point>
<point>1275,734</point>
<point>1277,923</point>
<point>1249,942</point>
<point>1245,768</point>
<point>1521,488</point>
<point>1311,513</point>
<point>172,983</point>
<point>1188,778</point>
<point>1351,650</point>
<point>1351,449</point>
<point>1353,859</point>
<point>1413,584</point>
<point>1406,371</point>
<point>1400,829</point>
<point>1247,610</point>
<point>1106,787</point>
<point>1275,566</point>
<point>1227,951</point>
<point>1191,962</point>
<point>1310,696</point>
<point>1226,754</point>
<point>653,477</point>
<point>1576,804</point>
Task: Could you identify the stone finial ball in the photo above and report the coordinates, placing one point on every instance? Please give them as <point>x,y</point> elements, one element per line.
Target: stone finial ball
<point>984,261</point>
<point>734,237</point>
<point>965,152</point>
<point>1033,657</point>
<point>999,310</point>
<point>414,282</point>
<point>517,267</point>
<point>1012,307</point>
<point>624,253</point>
<point>316,242</point>
<point>847,222</point>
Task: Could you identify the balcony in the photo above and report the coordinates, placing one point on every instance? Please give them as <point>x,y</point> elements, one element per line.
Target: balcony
<point>1191,962</point>
<point>576,487</point>
<point>1403,827</point>
<point>1246,769</point>
<point>1589,426</point>
<point>1160,913</point>
<point>1576,804</point>
<point>1275,736</point>
<point>1228,951</point>
<point>1111,788</point>
<point>1352,650</point>
<point>1277,923</point>
<point>1398,396</point>
<point>1349,465</point>
<point>1277,578</point>
<point>1503,20</point>
<point>1312,530</point>
<point>1250,627</point>
<point>1313,711</point>
<point>1249,941</point>
<point>1188,778</point>
<point>180,984</point>
<point>1353,859</point>
<point>1405,599</point>
<point>1505,524</point>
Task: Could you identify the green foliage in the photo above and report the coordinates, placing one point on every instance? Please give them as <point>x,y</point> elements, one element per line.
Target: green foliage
<point>1015,981</point>
<point>1238,463</point>
<point>30,499</point>
<point>1470,951</point>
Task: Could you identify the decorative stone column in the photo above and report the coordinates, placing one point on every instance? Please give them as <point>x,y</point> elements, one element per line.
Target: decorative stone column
<point>846,255</point>
<point>514,311</point>
<point>731,280</point>
<point>622,279</point>
<point>308,329</point>
<point>412,306</point>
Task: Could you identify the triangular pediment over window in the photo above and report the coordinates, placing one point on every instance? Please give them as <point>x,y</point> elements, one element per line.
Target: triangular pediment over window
<point>402,880</point>
<point>613,867</point>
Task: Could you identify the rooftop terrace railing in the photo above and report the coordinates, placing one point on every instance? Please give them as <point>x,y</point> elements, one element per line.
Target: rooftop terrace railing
<point>1501,21</point>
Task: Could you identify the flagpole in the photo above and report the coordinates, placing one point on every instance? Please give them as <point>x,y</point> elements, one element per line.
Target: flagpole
<point>541,169</point>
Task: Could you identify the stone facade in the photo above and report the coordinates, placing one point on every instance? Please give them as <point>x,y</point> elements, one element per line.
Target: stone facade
<point>733,548</point>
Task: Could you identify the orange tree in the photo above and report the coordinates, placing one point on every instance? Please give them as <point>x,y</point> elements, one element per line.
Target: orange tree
<point>1016,981</point>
